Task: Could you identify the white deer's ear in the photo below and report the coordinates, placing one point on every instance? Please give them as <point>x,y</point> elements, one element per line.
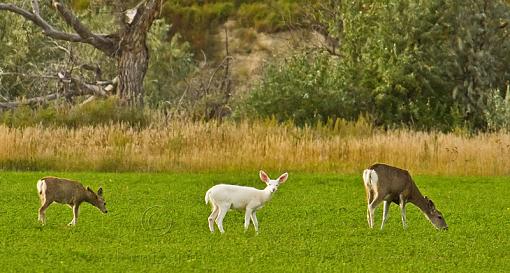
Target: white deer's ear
<point>89,189</point>
<point>100,191</point>
<point>283,178</point>
<point>264,177</point>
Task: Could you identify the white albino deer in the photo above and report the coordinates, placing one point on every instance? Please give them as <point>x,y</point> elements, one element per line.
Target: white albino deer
<point>390,184</point>
<point>224,197</point>
<point>64,191</point>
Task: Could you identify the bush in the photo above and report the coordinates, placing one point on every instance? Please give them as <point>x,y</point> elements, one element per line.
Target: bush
<point>305,89</point>
<point>266,16</point>
<point>497,112</point>
<point>171,62</point>
<point>100,112</point>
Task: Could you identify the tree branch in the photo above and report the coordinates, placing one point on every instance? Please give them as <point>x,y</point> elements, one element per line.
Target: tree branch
<point>99,41</point>
<point>48,30</point>
<point>146,14</point>
<point>14,104</point>
<point>102,42</point>
<point>81,88</point>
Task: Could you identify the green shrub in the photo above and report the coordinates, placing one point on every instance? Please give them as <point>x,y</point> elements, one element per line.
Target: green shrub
<point>104,112</point>
<point>267,16</point>
<point>171,62</point>
<point>99,112</point>
<point>305,89</point>
<point>497,112</point>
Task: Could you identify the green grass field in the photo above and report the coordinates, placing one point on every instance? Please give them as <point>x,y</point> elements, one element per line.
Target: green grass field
<point>315,223</point>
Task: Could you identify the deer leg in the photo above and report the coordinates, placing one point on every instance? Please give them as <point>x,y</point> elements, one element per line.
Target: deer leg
<point>403,211</point>
<point>369,200</point>
<point>42,210</point>
<point>371,208</point>
<point>255,221</point>
<point>75,215</point>
<point>247,217</point>
<point>219,219</point>
<point>386,210</point>
<point>212,217</point>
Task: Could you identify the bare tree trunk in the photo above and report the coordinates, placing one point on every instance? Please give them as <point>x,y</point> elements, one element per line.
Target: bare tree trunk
<point>132,64</point>
<point>133,58</point>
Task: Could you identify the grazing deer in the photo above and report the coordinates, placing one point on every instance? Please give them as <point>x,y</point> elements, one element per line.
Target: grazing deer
<point>391,184</point>
<point>64,191</point>
<point>224,197</point>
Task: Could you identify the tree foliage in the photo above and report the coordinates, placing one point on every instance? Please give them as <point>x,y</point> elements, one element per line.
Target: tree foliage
<point>422,64</point>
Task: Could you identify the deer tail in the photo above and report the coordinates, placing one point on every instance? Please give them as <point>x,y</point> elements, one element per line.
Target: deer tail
<point>207,196</point>
<point>41,186</point>
<point>370,178</point>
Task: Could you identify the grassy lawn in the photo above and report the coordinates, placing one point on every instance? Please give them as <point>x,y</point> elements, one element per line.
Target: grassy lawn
<point>315,223</point>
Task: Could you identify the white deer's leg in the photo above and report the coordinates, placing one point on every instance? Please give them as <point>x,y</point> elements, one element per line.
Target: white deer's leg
<point>403,211</point>
<point>255,221</point>
<point>386,210</point>
<point>213,216</point>
<point>219,219</point>
<point>247,217</point>
<point>75,215</point>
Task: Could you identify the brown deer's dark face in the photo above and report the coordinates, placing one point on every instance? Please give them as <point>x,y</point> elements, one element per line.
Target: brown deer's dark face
<point>99,201</point>
<point>435,216</point>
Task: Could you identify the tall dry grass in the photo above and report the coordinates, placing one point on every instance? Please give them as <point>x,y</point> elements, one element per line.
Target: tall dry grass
<point>185,146</point>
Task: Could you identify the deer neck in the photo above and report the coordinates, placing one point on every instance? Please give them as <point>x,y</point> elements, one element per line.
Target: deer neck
<point>267,194</point>
<point>419,200</point>
<point>89,197</point>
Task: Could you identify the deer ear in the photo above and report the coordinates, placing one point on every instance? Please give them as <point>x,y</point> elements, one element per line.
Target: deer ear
<point>100,191</point>
<point>431,204</point>
<point>89,189</point>
<point>263,176</point>
<point>283,178</point>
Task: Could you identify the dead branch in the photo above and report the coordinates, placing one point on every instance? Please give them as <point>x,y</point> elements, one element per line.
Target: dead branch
<point>24,75</point>
<point>81,88</point>
<point>31,101</point>
<point>213,75</point>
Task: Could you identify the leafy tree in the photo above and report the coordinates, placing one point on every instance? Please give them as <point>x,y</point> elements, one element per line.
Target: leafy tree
<point>304,88</point>
<point>423,64</point>
<point>172,61</point>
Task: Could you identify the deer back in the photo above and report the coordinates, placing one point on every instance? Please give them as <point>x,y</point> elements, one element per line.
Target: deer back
<point>393,181</point>
<point>64,191</point>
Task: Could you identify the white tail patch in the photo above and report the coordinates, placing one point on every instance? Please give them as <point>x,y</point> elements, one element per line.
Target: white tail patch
<point>41,187</point>
<point>370,178</point>
<point>207,196</point>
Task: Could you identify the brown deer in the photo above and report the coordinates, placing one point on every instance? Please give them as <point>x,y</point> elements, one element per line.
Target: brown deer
<point>64,191</point>
<point>390,184</point>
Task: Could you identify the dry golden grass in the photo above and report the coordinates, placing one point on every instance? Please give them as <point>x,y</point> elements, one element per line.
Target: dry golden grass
<point>186,146</point>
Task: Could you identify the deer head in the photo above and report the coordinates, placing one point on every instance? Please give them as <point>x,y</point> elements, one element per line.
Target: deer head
<point>98,199</point>
<point>435,216</point>
<point>272,185</point>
